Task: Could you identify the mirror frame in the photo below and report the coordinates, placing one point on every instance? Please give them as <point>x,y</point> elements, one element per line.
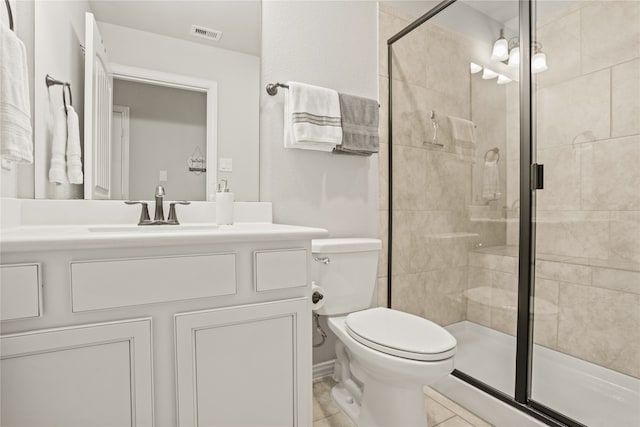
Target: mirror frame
<point>178,81</point>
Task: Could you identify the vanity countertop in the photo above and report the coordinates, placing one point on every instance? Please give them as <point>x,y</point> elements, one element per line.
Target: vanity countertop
<point>43,238</point>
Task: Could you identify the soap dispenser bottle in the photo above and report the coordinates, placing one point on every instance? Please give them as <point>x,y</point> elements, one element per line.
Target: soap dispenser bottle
<point>224,204</point>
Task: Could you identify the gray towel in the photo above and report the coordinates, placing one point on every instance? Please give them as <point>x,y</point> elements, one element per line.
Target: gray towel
<point>359,125</point>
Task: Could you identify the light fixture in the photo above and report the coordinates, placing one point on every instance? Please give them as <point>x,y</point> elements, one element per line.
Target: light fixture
<point>500,50</point>
<point>488,74</point>
<point>474,68</point>
<point>539,59</point>
<point>503,80</point>
<point>514,57</point>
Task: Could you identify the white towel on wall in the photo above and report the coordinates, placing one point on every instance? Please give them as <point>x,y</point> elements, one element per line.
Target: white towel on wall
<point>74,152</point>
<point>16,134</point>
<point>58,168</point>
<point>312,118</point>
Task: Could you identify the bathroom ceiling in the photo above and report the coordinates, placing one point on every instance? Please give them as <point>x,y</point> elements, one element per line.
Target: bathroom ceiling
<point>240,21</point>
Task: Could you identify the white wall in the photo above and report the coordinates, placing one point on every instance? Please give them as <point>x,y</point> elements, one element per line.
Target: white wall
<point>330,44</point>
<point>166,126</point>
<point>237,76</point>
<point>59,31</point>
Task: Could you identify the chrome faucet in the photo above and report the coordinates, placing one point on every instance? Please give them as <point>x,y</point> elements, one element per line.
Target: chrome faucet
<point>158,218</point>
<point>159,215</point>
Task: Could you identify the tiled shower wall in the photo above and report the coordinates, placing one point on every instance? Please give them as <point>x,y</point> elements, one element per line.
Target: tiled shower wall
<point>588,215</point>
<point>587,310</point>
<point>433,187</point>
<point>588,134</point>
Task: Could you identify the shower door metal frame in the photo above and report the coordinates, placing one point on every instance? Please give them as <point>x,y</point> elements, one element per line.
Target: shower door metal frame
<point>521,399</point>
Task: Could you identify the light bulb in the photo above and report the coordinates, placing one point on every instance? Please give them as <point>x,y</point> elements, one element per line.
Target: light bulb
<point>474,68</point>
<point>503,80</point>
<point>488,74</point>
<point>514,57</point>
<point>539,63</point>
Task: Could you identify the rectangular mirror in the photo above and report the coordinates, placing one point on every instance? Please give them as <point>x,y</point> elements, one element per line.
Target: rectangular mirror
<point>172,100</point>
<point>175,137</point>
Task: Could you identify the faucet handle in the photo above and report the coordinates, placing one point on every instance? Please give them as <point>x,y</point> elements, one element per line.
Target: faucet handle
<point>144,213</point>
<point>173,217</point>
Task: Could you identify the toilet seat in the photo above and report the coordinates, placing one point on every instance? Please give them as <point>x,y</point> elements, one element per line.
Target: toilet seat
<point>400,334</point>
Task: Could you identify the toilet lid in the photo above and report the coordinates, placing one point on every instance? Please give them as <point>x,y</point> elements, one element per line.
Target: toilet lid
<point>401,334</point>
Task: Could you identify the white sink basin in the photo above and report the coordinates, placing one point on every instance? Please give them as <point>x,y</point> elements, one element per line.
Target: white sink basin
<point>153,228</point>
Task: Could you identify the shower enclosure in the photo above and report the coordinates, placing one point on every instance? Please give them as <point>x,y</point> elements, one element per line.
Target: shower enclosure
<point>514,195</point>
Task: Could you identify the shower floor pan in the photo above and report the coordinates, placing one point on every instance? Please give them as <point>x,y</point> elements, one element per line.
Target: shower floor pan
<point>588,393</point>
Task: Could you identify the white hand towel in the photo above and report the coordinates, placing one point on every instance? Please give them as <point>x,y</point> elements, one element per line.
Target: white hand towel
<point>16,140</point>
<point>463,131</point>
<point>74,153</point>
<point>58,169</point>
<point>312,118</point>
<point>491,181</point>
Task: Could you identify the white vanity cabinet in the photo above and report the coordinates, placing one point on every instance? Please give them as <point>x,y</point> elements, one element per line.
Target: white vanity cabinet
<point>211,334</point>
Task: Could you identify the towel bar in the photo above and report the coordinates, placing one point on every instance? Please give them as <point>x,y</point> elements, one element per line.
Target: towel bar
<point>272,89</point>
<point>50,81</point>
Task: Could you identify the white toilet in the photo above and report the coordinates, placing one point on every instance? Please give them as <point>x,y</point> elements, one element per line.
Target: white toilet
<point>384,357</point>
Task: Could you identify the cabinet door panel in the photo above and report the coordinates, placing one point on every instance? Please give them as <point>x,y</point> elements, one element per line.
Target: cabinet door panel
<point>244,366</point>
<point>258,373</point>
<point>20,291</point>
<point>93,375</point>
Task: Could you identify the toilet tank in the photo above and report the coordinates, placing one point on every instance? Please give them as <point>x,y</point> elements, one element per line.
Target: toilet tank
<point>346,270</point>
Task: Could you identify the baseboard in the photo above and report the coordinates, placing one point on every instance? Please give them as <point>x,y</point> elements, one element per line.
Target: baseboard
<point>323,369</point>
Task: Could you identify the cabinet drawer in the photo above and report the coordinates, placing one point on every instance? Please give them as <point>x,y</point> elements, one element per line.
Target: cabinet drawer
<point>119,283</point>
<point>20,291</point>
<point>280,269</point>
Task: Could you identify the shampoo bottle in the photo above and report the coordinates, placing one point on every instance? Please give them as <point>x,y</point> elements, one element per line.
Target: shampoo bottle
<point>224,204</point>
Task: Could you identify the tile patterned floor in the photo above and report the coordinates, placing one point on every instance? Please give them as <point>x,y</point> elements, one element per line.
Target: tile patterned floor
<point>441,412</point>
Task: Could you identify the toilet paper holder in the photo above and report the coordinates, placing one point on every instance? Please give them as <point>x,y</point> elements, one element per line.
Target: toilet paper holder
<point>316,297</point>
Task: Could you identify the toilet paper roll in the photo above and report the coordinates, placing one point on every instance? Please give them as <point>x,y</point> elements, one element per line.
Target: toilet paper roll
<point>320,302</point>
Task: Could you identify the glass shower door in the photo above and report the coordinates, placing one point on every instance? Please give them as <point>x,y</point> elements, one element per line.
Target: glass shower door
<point>455,170</point>
<point>586,353</point>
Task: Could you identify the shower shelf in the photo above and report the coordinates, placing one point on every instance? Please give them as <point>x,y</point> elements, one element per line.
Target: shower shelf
<point>453,235</point>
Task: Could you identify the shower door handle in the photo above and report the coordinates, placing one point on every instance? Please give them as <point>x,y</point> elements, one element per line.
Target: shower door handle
<point>537,176</point>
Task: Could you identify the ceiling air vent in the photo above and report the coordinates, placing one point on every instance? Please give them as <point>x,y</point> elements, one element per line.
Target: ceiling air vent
<point>206,33</point>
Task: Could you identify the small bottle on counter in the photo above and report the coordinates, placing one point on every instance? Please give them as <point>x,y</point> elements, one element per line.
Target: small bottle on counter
<point>224,204</point>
